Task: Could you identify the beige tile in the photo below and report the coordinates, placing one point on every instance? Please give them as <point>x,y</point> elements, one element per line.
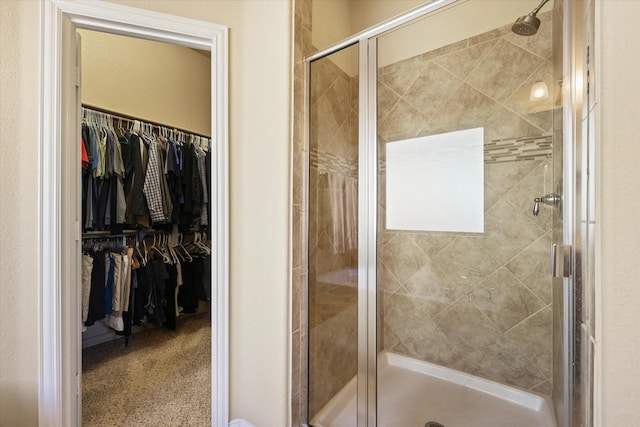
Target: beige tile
<point>465,326</point>
<point>431,289</point>
<point>539,111</point>
<point>504,300</point>
<point>532,267</point>
<point>387,99</point>
<point>403,121</point>
<point>295,363</point>
<point>507,232</point>
<point>501,361</point>
<point>298,237</point>
<point>491,196</point>
<point>306,11</point>
<point>339,97</point>
<point>503,70</point>
<point>387,282</point>
<point>502,177</point>
<point>297,403</point>
<point>465,262</point>
<point>383,238</point>
<point>323,385</point>
<point>323,124</point>
<point>403,257</point>
<point>463,61</point>
<point>296,298</point>
<point>297,175</point>
<point>504,124</point>
<point>307,46</point>
<point>534,337</point>
<point>334,343</point>
<point>545,388</point>
<point>354,84</point>
<point>536,184</point>
<point>413,333</point>
<point>432,243</point>
<point>352,153</point>
<point>392,341</point>
<point>467,108</point>
<point>399,76</point>
<point>323,74</point>
<point>340,145</point>
<point>299,109</point>
<point>431,89</point>
<point>324,259</point>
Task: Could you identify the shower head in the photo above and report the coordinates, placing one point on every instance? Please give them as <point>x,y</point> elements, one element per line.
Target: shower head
<point>528,25</point>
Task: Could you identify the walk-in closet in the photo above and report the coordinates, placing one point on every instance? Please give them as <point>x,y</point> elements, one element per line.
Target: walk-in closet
<point>146,259</point>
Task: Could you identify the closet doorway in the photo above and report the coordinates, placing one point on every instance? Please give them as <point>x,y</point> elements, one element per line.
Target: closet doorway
<point>62,222</point>
<point>151,98</point>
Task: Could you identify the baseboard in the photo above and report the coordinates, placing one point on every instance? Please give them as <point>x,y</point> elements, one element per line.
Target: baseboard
<point>240,423</point>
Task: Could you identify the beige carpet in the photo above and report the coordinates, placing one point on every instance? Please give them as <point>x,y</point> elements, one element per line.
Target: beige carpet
<point>163,378</point>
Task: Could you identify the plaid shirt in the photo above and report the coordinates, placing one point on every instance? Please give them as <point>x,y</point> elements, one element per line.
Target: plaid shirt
<point>152,184</point>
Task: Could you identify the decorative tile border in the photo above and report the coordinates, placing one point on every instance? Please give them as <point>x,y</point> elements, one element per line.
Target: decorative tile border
<point>507,150</point>
<point>330,163</point>
<point>518,149</point>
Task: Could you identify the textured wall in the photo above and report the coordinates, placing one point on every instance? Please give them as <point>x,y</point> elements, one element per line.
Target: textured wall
<point>260,78</point>
<point>617,104</point>
<point>19,74</point>
<point>477,303</point>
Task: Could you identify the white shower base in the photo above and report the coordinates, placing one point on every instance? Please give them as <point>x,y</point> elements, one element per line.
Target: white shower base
<point>412,392</point>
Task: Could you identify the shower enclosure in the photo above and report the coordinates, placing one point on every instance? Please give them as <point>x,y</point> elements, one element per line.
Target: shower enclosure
<point>430,297</point>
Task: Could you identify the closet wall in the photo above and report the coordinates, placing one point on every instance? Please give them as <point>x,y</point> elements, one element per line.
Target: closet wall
<point>159,82</point>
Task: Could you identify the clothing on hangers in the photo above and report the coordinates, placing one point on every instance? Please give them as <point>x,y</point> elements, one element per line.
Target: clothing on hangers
<point>141,180</point>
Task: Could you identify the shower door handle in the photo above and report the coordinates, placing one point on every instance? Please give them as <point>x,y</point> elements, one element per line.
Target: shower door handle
<point>560,260</point>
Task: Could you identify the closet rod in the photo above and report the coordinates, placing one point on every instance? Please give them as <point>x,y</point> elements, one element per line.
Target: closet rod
<point>125,233</point>
<point>129,118</point>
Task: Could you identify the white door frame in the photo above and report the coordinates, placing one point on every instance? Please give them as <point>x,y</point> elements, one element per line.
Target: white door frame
<point>58,213</point>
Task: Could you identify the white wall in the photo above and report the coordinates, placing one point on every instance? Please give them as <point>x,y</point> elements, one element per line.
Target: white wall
<point>259,162</point>
<point>619,197</point>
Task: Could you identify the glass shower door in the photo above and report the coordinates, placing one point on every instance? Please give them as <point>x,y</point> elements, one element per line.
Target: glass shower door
<point>333,238</point>
<point>463,282</point>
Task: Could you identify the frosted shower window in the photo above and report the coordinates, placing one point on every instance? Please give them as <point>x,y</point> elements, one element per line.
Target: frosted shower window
<point>436,182</point>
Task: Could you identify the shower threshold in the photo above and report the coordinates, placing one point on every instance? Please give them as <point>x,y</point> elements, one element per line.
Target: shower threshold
<point>412,393</point>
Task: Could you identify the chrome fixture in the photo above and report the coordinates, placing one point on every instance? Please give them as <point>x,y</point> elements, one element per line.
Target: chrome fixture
<point>550,199</point>
<point>528,25</point>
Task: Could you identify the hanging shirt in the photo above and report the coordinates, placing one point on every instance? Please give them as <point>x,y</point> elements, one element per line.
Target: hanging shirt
<point>152,185</point>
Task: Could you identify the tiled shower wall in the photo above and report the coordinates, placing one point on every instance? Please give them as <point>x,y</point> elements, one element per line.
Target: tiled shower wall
<point>332,261</point>
<point>478,303</point>
<point>495,321</point>
<point>299,309</point>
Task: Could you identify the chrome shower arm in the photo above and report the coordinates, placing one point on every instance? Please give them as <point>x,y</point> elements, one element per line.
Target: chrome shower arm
<point>535,11</point>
